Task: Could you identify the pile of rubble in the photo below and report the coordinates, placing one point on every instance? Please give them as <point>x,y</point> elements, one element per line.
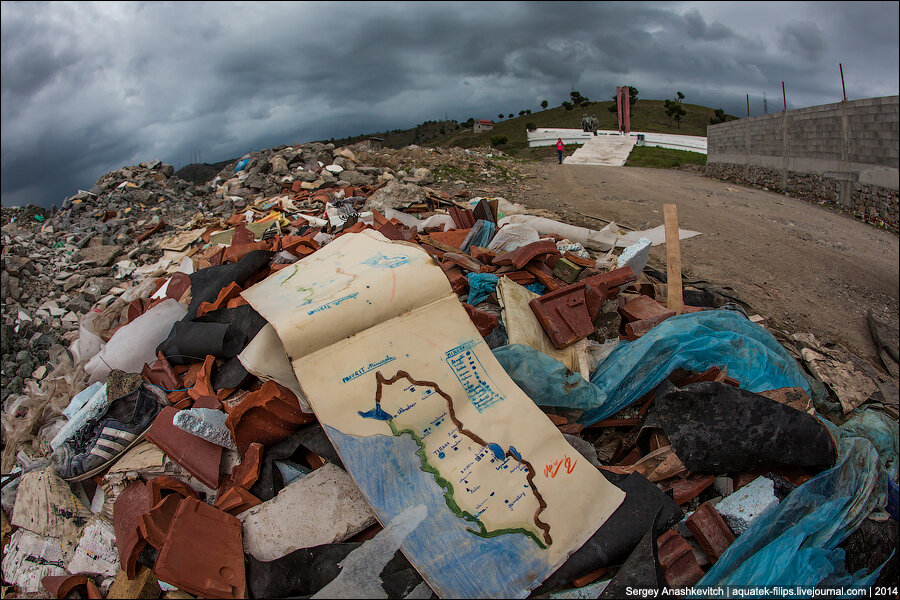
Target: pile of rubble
<point>157,439</point>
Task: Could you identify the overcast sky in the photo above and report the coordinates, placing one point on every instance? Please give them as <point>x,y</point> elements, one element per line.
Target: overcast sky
<point>88,88</point>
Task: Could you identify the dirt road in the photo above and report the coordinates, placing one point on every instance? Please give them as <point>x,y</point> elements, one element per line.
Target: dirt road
<point>803,266</point>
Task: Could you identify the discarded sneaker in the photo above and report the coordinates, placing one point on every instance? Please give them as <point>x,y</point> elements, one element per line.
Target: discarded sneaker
<point>106,438</point>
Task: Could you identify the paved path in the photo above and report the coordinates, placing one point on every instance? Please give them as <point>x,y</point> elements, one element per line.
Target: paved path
<point>605,150</point>
<point>804,266</point>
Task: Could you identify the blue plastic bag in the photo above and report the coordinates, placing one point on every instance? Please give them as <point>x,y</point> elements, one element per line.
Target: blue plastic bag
<point>879,429</point>
<point>481,285</point>
<point>794,543</point>
<point>241,165</point>
<point>544,379</point>
<point>696,342</point>
<point>481,235</point>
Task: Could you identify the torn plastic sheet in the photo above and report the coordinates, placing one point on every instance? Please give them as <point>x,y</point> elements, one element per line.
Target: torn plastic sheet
<point>407,219</point>
<point>223,333</point>
<point>604,239</point>
<point>696,342</point>
<point>796,541</point>
<point>134,344</point>
<point>480,235</point>
<point>512,236</point>
<point>360,570</point>
<point>718,428</point>
<point>546,380</point>
<point>882,431</point>
<point>270,480</point>
<point>307,570</point>
<point>641,569</point>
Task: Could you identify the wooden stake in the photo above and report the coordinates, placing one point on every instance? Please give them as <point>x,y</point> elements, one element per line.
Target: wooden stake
<point>675,301</point>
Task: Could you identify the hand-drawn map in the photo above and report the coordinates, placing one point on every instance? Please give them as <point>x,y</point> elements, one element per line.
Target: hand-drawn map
<point>422,414</point>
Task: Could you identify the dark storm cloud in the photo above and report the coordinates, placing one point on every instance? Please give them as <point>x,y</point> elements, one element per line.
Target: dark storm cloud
<point>804,39</point>
<point>87,88</point>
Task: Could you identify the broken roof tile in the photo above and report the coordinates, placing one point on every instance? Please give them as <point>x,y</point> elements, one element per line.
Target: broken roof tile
<point>218,571</point>
<point>266,416</point>
<point>710,530</point>
<point>135,500</point>
<point>199,457</point>
<point>525,254</point>
<point>564,315</point>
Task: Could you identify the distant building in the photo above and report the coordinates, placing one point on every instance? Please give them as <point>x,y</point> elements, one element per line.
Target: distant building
<point>482,125</point>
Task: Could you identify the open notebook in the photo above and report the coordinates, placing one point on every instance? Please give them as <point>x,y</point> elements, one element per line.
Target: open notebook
<point>423,415</point>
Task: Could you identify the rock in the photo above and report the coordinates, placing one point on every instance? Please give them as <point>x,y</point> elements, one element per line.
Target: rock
<point>395,195</point>
<point>278,164</point>
<point>334,168</point>
<point>101,256</point>
<point>16,265</point>
<point>306,176</point>
<point>355,178</point>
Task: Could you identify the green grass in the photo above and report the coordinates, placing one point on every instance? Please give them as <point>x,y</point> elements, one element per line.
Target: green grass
<point>646,115</point>
<point>663,158</point>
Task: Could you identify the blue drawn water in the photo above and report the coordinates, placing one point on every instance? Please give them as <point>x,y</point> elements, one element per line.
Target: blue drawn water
<point>497,450</point>
<point>454,561</point>
<point>376,413</point>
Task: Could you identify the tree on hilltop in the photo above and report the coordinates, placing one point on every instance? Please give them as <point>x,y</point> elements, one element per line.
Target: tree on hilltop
<point>674,110</point>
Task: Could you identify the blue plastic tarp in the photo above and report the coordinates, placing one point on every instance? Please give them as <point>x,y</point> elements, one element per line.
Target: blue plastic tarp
<point>241,165</point>
<point>696,342</point>
<point>795,543</point>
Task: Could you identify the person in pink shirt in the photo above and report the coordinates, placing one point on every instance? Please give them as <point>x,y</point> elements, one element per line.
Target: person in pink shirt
<point>559,149</point>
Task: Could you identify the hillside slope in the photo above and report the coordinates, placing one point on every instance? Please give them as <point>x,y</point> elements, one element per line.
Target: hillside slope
<point>646,115</point>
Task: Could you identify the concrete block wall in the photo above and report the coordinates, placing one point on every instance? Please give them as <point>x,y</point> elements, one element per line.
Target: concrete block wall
<point>845,154</point>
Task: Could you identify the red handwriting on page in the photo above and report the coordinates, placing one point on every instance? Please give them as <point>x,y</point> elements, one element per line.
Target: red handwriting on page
<point>551,470</point>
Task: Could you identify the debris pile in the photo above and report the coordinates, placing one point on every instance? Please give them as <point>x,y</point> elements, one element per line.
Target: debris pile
<point>165,430</point>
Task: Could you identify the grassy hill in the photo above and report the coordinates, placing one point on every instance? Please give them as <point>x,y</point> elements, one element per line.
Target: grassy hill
<point>646,115</point>
<point>422,134</point>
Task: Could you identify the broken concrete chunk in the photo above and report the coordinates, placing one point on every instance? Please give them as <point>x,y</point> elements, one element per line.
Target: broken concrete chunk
<point>207,424</point>
<point>332,509</point>
<point>740,508</point>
